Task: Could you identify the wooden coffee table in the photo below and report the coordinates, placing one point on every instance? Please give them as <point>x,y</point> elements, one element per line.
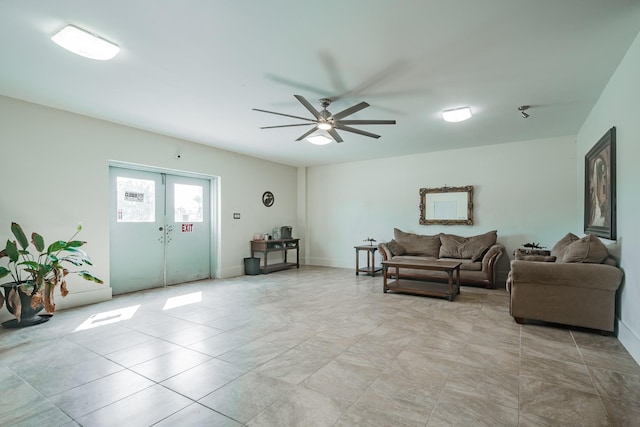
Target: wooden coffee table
<point>423,287</point>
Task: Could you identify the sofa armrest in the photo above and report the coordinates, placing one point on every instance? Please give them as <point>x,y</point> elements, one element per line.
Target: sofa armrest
<point>385,252</point>
<point>582,275</point>
<point>492,256</point>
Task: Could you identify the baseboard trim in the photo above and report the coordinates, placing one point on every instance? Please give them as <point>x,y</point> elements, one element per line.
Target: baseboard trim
<point>629,340</point>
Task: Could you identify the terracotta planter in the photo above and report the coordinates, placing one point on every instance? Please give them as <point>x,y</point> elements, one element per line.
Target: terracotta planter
<point>29,316</point>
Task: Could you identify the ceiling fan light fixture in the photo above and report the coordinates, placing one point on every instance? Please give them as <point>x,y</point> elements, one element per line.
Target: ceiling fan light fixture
<point>457,114</point>
<point>324,126</point>
<point>319,139</point>
<point>85,44</point>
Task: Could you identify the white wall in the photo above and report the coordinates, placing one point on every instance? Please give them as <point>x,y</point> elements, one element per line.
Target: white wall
<point>55,173</point>
<point>618,107</point>
<point>525,190</point>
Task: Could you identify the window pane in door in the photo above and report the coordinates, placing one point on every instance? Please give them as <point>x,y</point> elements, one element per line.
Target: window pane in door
<point>136,200</point>
<point>188,203</point>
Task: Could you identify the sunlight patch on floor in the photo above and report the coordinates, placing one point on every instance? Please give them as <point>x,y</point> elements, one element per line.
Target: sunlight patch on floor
<point>182,300</point>
<point>107,317</point>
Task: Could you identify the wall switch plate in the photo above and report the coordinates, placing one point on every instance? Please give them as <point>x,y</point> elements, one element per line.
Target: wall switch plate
<point>236,215</point>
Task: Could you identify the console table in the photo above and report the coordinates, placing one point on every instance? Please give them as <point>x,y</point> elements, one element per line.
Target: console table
<point>282,246</point>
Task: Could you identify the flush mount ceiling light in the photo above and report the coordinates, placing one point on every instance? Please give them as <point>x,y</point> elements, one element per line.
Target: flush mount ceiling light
<point>85,44</point>
<point>319,139</point>
<point>457,114</point>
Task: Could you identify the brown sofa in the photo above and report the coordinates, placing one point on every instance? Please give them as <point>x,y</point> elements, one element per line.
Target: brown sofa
<point>576,285</point>
<point>478,255</point>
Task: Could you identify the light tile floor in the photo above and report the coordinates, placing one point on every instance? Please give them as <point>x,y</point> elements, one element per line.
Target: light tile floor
<point>310,347</point>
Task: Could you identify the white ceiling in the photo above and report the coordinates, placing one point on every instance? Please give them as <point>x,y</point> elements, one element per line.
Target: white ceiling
<point>194,69</point>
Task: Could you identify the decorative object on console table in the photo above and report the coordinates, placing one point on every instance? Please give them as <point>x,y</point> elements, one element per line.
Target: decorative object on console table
<point>371,268</point>
<point>533,245</point>
<point>285,231</point>
<point>276,233</point>
<point>282,246</point>
<point>600,187</point>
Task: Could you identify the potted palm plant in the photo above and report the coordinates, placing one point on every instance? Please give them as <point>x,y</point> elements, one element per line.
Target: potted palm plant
<point>36,274</point>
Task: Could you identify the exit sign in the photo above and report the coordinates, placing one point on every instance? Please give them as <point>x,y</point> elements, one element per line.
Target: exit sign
<point>187,228</point>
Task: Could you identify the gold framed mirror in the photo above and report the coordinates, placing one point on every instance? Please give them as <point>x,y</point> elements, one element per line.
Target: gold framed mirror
<point>446,206</point>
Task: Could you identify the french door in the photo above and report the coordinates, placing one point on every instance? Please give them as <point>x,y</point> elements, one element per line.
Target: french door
<point>160,229</point>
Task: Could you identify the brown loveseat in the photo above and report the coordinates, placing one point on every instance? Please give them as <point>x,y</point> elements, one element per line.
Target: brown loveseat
<point>576,285</point>
<point>478,255</point>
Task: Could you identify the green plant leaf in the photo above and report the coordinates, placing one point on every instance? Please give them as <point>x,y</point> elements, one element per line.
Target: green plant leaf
<point>12,251</point>
<point>20,236</point>
<point>75,244</point>
<point>37,241</point>
<point>31,264</point>
<point>4,272</point>
<point>57,246</point>
<point>88,276</point>
<point>73,260</point>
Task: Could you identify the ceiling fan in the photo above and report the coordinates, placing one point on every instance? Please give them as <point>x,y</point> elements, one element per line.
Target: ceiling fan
<point>325,120</point>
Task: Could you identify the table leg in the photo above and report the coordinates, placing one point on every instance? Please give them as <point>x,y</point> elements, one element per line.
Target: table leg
<point>384,278</point>
<point>357,262</point>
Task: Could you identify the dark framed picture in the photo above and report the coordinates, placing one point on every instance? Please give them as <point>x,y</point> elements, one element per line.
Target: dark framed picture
<point>600,187</point>
<point>268,199</point>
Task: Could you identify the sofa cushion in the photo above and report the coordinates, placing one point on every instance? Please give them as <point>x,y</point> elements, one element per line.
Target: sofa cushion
<point>466,264</point>
<point>589,249</point>
<point>396,248</point>
<point>417,244</point>
<point>561,246</point>
<point>472,248</point>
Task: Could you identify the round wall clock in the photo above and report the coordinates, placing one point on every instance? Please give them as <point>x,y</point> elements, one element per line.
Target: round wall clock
<point>267,198</point>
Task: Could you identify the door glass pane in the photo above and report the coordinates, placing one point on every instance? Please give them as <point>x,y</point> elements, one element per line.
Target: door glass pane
<point>188,203</point>
<point>136,200</point>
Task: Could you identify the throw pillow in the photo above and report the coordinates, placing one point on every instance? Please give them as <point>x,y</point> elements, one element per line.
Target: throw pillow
<point>396,248</point>
<point>472,248</point>
<point>416,244</point>
<point>589,249</point>
<point>560,247</point>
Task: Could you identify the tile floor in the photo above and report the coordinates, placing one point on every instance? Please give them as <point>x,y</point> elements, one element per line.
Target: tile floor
<point>310,347</point>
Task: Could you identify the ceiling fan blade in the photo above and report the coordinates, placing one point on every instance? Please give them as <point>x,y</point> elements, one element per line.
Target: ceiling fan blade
<point>350,110</point>
<point>367,122</point>
<point>358,131</point>
<point>309,107</point>
<point>282,114</point>
<point>298,85</point>
<point>334,135</point>
<point>306,134</point>
<point>286,126</point>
